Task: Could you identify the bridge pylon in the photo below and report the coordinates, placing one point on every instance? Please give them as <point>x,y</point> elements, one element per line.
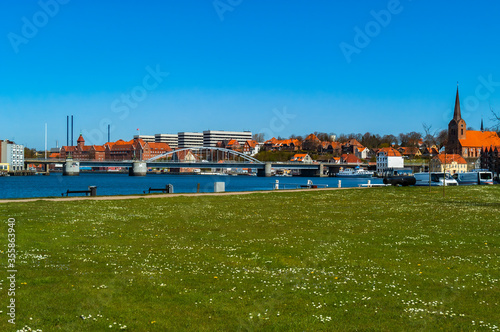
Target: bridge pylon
<point>266,171</point>
<point>139,168</point>
<point>71,167</point>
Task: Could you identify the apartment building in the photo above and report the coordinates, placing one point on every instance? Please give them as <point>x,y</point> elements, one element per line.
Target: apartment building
<point>211,137</point>
<point>189,140</point>
<point>146,138</point>
<point>171,139</point>
<point>12,154</point>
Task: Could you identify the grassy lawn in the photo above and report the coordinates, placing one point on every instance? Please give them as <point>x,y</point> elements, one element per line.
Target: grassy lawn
<point>374,259</point>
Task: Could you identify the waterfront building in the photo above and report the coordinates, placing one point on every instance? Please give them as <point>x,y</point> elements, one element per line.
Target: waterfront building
<point>351,146</point>
<point>189,139</point>
<point>349,159</point>
<point>452,163</point>
<point>185,156</point>
<point>334,160</point>
<point>171,139</point>
<point>211,137</point>
<point>311,142</point>
<point>389,158</point>
<point>330,147</point>
<point>12,154</point>
<point>468,143</point>
<point>274,144</point>
<point>410,152</point>
<point>81,151</point>
<point>302,158</point>
<point>136,149</point>
<point>230,145</point>
<point>362,152</point>
<point>251,147</point>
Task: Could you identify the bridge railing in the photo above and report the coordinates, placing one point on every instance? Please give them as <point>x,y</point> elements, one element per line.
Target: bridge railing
<point>205,154</point>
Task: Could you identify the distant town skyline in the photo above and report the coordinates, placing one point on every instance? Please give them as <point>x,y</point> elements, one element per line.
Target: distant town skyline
<point>280,68</point>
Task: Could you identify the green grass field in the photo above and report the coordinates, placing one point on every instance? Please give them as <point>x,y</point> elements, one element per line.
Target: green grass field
<point>374,259</point>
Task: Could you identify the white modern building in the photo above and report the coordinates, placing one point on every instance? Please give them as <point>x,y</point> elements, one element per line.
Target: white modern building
<point>189,140</point>
<point>389,158</point>
<point>146,138</point>
<point>211,137</point>
<point>12,154</point>
<point>171,139</point>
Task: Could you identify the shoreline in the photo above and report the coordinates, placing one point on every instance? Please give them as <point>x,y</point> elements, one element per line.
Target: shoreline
<point>125,197</point>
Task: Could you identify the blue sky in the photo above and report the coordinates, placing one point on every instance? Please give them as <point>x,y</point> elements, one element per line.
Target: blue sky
<point>267,66</point>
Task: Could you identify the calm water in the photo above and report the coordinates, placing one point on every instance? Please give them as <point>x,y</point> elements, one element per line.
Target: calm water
<point>123,184</point>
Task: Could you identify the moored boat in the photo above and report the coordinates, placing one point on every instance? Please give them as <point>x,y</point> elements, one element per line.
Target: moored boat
<point>354,173</point>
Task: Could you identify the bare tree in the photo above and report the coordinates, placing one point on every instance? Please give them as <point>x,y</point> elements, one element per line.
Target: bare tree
<point>322,136</point>
<point>388,140</point>
<point>442,138</point>
<point>430,136</point>
<point>342,138</point>
<point>258,137</point>
<point>495,118</point>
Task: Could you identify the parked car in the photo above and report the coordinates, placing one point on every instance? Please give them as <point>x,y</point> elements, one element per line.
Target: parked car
<point>399,177</point>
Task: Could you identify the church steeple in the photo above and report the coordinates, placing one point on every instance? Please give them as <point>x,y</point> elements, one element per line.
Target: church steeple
<point>482,127</point>
<point>457,129</point>
<point>457,114</point>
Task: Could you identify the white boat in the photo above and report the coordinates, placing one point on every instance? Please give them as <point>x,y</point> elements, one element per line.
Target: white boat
<point>436,179</point>
<point>355,173</point>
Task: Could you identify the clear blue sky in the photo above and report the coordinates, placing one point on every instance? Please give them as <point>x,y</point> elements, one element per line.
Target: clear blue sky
<point>236,64</point>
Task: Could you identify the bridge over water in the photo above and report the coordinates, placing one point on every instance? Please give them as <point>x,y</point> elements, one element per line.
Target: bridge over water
<point>196,157</point>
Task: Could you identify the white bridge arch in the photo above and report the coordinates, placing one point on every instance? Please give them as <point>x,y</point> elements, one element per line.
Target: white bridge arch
<point>211,154</point>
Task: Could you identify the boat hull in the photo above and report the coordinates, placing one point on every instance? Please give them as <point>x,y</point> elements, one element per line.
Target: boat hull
<point>355,176</point>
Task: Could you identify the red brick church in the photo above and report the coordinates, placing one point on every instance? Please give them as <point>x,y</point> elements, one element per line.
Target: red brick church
<point>468,143</point>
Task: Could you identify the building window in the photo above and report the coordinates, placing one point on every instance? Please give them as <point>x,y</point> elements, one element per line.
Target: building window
<point>461,131</point>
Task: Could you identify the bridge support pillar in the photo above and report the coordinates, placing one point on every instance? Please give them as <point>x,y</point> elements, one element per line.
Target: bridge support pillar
<point>71,167</point>
<point>322,171</point>
<point>266,171</point>
<point>139,168</point>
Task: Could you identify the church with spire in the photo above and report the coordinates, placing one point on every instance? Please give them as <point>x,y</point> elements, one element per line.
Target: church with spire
<point>468,143</point>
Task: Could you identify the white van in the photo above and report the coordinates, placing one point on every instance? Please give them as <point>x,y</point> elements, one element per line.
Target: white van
<point>436,179</point>
<point>477,176</point>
